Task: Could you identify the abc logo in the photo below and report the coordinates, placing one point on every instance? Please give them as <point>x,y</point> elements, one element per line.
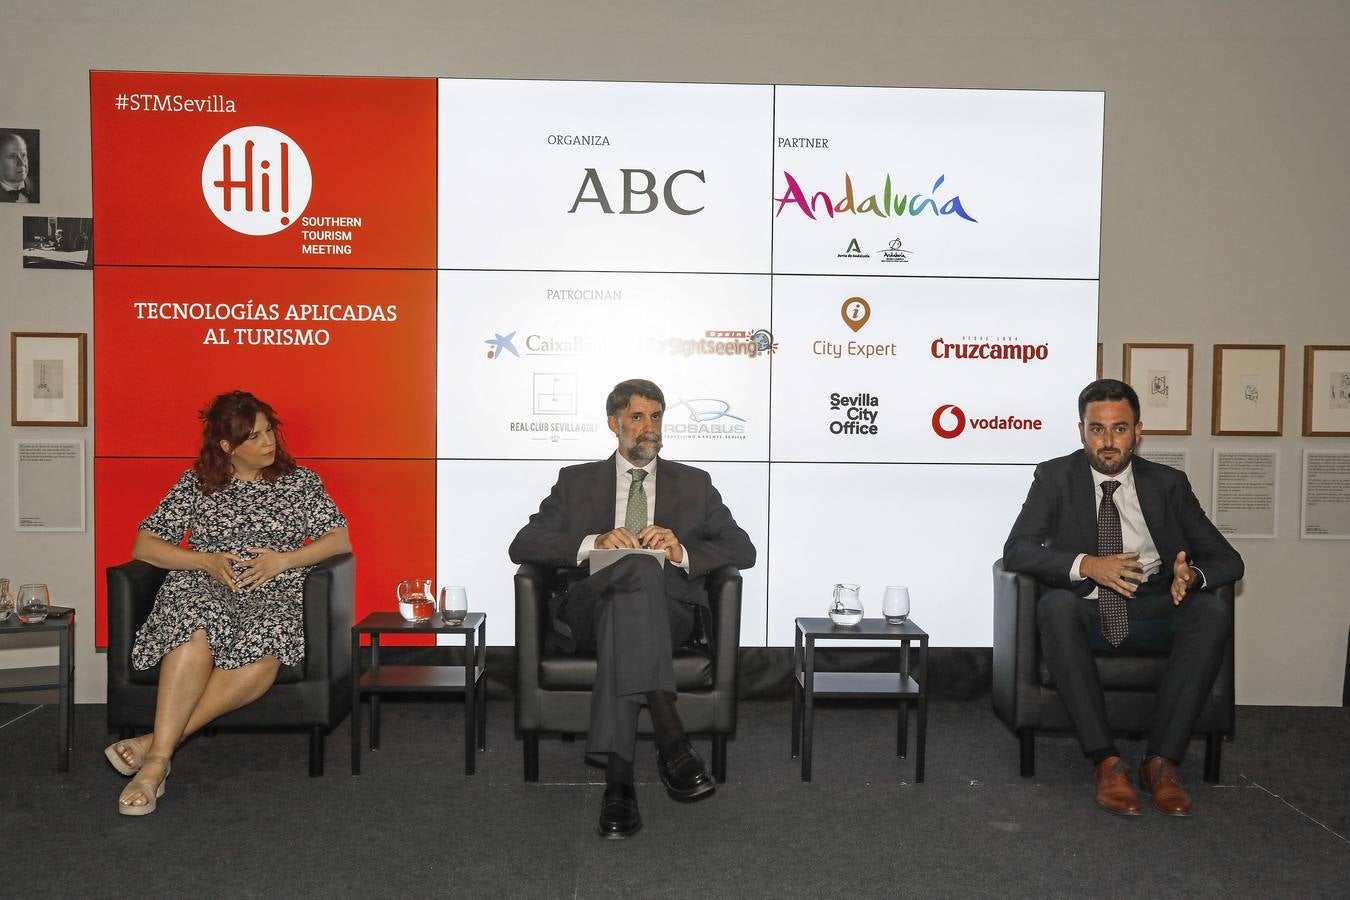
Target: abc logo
<point>256,180</point>
<point>958,426</point>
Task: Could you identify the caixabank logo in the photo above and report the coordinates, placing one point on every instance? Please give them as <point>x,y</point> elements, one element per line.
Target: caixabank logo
<point>256,180</point>
<point>950,421</point>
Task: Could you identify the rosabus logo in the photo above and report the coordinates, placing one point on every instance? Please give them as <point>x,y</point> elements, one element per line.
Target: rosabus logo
<point>959,422</point>
<point>709,417</point>
<point>256,180</point>
<point>888,205</point>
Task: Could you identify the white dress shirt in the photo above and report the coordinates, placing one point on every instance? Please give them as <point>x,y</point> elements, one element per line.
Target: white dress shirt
<point>1133,530</point>
<point>622,483</point>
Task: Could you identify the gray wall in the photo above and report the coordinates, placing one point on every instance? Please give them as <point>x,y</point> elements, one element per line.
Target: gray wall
<point>1224,219</point>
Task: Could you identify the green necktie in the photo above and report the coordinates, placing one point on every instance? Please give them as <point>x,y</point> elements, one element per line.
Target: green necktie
<point>635,519</point>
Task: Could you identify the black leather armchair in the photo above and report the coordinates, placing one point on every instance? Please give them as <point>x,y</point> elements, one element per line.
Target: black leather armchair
<point>315,695</point>
<point>1027,701</point>
<point>553,690</point>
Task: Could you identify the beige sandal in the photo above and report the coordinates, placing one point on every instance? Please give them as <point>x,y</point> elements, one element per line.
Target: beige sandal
<point>119,762</point>
<point>144,788</point>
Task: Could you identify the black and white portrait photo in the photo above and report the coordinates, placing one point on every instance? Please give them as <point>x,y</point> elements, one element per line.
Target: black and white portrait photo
<point>19,165</point>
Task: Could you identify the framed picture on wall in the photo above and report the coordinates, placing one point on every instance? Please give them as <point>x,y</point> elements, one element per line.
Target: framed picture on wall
<point>1248,389</point>
<point>1326,391</point>
<point>1161,374</point>
<point>47,378</point>
<point>1099,361</point>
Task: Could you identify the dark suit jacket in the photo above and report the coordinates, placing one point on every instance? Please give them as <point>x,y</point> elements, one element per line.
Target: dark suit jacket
<point>1058,521</point>
<point>582,502</point>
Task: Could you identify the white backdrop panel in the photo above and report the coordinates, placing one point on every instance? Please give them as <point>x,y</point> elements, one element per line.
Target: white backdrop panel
<point>481,504</point>
<point>936,529</point>
<point>507,180</point>
<point>904,384</point>
<point>1025,164</point>
<point>544,398</point>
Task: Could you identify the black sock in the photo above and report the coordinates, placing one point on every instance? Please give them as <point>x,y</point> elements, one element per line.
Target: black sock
<point>665,721</point>
<point>1100,756</point>
<point>619,770</point>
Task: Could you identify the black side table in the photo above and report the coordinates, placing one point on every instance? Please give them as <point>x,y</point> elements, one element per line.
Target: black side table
<point>808,684</point>
<point>60,677</point>
<point>466,679</point>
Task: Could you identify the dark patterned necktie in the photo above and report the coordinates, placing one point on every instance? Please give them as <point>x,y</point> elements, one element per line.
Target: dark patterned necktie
<point>635,518</point>
<point>1110,605</point>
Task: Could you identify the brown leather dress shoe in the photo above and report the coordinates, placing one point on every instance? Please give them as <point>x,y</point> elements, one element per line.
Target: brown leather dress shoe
<point>1114,791</point>
<point>1159,777</point>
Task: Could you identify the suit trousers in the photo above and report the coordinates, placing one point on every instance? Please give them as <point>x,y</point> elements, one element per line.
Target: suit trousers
<point>623,615</point>
<point>1193,635</point>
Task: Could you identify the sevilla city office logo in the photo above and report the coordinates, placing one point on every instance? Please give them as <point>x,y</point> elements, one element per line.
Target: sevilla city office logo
<point>256,180</point>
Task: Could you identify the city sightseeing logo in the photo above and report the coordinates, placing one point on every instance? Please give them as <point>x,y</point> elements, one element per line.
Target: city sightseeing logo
<point>887,205</point>
<point>959,422</point>
<point>256,180</point>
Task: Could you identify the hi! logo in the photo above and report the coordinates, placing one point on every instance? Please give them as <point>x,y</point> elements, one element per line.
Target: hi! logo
<point>256,180</point>
<point>942,430</point>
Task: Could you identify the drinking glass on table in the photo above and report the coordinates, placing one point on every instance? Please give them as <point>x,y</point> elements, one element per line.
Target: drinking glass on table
<point>6,600</point>
<point>895,604</point>
<point>34,599</point>
<point>454,605</point>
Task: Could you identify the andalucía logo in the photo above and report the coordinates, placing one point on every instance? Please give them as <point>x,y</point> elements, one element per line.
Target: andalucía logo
<point>959,422</point>
<point>888,205</point>
<point>256,180</point>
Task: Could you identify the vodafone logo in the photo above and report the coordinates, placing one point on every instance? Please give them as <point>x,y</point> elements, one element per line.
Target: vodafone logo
<point>256,180</point>
<point>958,417</point>
<point>959,422</point>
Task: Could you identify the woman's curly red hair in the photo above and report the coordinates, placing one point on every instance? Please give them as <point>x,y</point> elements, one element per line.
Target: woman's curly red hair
<point>230,418</point>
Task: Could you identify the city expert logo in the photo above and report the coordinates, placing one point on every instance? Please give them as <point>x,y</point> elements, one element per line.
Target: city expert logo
<point>256,180</point>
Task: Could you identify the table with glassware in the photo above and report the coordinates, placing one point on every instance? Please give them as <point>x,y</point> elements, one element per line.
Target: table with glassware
<point>467,678</point>
<point>808,684</point>
<point>60,677</point>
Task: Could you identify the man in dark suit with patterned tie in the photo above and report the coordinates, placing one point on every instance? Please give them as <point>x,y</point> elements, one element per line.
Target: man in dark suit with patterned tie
<point>635,612</point>
<point>1128,560</point>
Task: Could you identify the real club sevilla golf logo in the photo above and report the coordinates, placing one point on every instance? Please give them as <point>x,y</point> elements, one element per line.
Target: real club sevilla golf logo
<point>256,180</point>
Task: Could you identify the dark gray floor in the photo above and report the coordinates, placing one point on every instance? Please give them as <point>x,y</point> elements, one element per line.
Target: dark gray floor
<point>241,819</point>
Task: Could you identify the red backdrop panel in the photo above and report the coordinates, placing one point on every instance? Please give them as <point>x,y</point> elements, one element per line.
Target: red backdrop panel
<point>370,392</point>
<point>390,506</point>
<point>369,145</point>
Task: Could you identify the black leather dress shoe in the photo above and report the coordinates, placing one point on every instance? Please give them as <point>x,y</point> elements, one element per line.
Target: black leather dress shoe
<point>619,816</point>
<point>685,776</point>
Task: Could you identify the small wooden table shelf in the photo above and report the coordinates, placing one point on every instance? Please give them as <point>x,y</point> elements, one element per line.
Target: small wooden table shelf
<point>60,677</point>
<point>466,679</point>
<point>808,684</point>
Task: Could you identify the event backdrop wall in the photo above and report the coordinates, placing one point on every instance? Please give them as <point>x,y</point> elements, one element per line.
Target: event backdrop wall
<point>862,304</point>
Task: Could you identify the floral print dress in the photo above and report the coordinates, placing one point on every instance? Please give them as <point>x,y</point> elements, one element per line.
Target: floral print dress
<point>240,628</point>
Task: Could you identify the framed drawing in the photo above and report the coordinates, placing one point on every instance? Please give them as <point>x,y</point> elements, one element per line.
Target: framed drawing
<point>1161,374</point>
<point>47,379</point>
<point>1248,389</point>
<point>1326,391</point>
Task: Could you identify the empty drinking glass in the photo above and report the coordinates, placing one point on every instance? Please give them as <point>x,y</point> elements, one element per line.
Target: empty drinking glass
<point>34,599</point>
<point>454,605</point>
<point>895,604</point>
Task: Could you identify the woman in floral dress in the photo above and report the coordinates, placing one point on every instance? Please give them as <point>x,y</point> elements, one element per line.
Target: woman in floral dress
<point>229,613</point>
